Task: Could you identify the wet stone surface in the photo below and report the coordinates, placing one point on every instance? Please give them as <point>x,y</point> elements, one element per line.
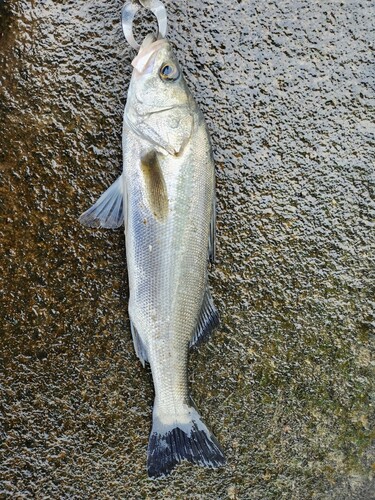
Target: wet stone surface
<point>287,383</point>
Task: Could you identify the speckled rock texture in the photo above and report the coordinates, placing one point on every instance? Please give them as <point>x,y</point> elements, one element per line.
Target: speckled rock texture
<point>287,383</point>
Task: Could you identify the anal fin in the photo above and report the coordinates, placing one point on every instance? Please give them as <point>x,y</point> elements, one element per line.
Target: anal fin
<point>108,211</point>
<point>139,347</point>
<point>207,322</point>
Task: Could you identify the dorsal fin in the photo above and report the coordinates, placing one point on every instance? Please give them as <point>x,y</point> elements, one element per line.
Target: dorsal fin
<point>108,210</point>
<point>207,322</point>
<point>212,241</point>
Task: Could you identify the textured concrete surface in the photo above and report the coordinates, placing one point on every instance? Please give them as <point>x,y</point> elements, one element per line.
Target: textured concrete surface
<point>287,383</point>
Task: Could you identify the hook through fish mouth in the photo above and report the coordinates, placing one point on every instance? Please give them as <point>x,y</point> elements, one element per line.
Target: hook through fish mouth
<point>147,51</point>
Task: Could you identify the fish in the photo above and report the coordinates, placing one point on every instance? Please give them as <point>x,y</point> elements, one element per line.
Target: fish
<point>165,197</point>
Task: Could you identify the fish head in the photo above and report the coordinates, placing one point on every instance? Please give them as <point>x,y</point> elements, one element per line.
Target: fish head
<point>159,106</point>
<point>157,76</point>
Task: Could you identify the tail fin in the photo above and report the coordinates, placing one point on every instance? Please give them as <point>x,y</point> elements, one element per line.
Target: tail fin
<point>188,439</point>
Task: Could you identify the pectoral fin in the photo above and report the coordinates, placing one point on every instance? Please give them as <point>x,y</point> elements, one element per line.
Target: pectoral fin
<point>108,211</point>
<point>207,321</point>
<point>156,189</point>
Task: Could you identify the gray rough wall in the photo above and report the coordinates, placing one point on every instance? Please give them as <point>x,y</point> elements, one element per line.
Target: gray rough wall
<point>286,383</point>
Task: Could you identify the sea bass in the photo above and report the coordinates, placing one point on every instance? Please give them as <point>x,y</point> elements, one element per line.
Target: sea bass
<point>165,197</point>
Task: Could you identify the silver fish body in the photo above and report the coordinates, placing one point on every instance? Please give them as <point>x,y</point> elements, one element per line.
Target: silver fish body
<point>168,192</point>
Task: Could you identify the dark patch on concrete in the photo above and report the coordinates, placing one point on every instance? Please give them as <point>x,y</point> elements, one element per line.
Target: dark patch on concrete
<point>287,90</point>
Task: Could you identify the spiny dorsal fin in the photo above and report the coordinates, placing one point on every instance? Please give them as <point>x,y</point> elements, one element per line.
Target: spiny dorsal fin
<point>139,347</point>
<point>156,189</point>
<point>108,211</point>
<point>212,242</point>
<point>207,322</point>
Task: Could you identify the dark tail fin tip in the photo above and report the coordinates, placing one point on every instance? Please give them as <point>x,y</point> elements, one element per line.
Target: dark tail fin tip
<point>165,451</point>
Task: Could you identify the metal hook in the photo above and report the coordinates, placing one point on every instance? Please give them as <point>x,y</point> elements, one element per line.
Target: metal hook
<point>129,11</point>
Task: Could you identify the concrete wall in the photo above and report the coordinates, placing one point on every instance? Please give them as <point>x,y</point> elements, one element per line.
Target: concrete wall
<point>287,90</point>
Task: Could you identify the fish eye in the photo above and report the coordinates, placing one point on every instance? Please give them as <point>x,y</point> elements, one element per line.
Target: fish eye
<point>169,71</point>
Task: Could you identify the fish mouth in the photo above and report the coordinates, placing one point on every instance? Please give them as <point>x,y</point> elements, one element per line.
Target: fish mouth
<point>143,62</point>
